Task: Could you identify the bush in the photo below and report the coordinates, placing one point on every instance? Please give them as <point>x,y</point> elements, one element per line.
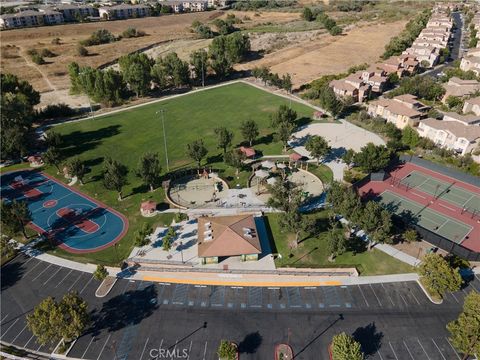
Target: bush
<point>81,50</point>
<point>101,36</point>
<point>336,30</point>
<point>203,30</point>
<point>47,53</point>
<point>56,41</point>
<point>131,32</point>
<point>38,59</point>
<point>55,111</point>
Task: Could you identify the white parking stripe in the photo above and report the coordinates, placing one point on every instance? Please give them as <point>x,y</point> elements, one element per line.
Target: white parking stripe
<point>34,266</point>
<point>419,343</point>
<point>64,278</point>
<point>393,304</point>
<point>394,353</point>
<point>404,300</point>
<point>409,353</point>
<point>36,277</point>
<point>379,303</point>
<point>455,351</point>
<point>4,318</point>
<point>25,346</point>
<point>364,298</point>
<point>71,286</point>
<point>440,351</point>
<point>30,258</point>
<point>205,351</point>
<point>85,286</point>
<point>16,337</point>
<point>3,335</point>
<point>56,272</point>
<point>144,347</point>
<point>88,346</point>
<point>418,302</point>
<point>455,298</point>
<point>190,350</point>
<point>103,347</point>
<point>379,354</point>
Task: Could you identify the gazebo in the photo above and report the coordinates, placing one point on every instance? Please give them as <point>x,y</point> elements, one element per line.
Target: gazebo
<point>295,157</point>
<point>35,160</point>
<point>248,151</point>
<point>148,208</point>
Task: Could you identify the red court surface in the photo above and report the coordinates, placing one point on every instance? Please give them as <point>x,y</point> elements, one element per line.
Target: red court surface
<point>27,190</point>
<point>376,188</point>
<point>79,221</point>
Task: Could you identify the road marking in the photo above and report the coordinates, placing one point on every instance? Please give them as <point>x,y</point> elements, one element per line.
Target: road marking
<point>85,286</point>
<point>28,341</point>
<point>125,288</point>
<point>64,278</point>
<point>29,271</point>
<point>455,298</point>
<point>71,286</point>
<point>144,347</point>
<point>36,277</point>
<point>103,347</point>
<point>55,273</point>
<point>379,354</point>
<point>88,346</point>
<point>447,207</point>
<point>30,258</point>
<point>379,303</point>
<point>404,300</point>
<point>418,302</point>
<point>455,351</point>
<point>15,338</point>
<point>190,349</point>
<point>438,349</point>
<point>393,304</point>
<point>205,350</point>
<point>1,321</point>
<point>3,335</point>
<point>391,347</point>
<point>39,347</point>
<point>364,298</point>
<point>409,353</point>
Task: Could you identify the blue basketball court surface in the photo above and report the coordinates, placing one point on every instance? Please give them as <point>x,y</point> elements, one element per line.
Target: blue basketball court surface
<point>76,222</point>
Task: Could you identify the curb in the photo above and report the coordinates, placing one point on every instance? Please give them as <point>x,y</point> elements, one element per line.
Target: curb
<point>428,295</point>
<point>100,293</point>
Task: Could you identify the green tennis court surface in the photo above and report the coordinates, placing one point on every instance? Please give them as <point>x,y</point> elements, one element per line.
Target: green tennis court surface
<point>449,192</point>
<point>425,217</point>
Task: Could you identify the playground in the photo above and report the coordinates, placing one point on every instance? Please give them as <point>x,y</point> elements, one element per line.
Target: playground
<point>77,223</point>
<point>434,201</point>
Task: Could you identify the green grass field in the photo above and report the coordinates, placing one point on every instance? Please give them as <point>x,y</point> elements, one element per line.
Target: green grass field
<point>312,252</point>
<point>126,135</point>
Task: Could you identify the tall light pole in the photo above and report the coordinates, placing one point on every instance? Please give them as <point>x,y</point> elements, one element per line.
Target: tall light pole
<point>162,112</point>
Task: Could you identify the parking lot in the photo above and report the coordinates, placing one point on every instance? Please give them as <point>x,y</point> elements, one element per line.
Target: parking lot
<point>139,319</point>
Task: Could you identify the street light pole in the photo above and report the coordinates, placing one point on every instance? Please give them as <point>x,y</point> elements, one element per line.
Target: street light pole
<point>162,111</point>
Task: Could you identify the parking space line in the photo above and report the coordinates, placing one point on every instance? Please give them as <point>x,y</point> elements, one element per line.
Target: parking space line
<point>85,286</point>
<point>363,295</point>
<point>440,351</point>
<point>3,335</point>
<point>21,331</point>
<point>190,349</point>
<point>2,320</point>
<point>31,337</point>
<point>374,293</point>
<point>40,347</point>
<point>455,351</point>
<point>36,277</point>
<point>205,350</point>
<point>103,347</point>
<point>474,287</point>
<point>64,278</point>
<point>418,302</point>
<point>419,343</point>
<point>29,271</point>
<point>379,354</point>
<point>71,286</point>
<point>30,258</point>
<point>394,353</point>
<point>144,347</point>
<point>458,302</point>
<point>88,346</point>
<point>405,302</point>
<point>391,300</point>
<point>55,273</point>
<point>409,353</point>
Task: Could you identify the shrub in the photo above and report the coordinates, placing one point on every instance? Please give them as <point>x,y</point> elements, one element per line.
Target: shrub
<point>101,36</point>
<point>81,50</point>
<point>55,111</point>
<point>38,59</point>
<point>47,53</point>
<point>56,41</point>
<point>131,32</point>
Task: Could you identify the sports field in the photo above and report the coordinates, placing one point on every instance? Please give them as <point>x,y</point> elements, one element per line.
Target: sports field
<point>425,217</point>
<point>444,190</point>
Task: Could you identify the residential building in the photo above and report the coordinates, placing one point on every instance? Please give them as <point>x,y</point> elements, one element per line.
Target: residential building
<point>403,110</point>
<point>471,62</point>
<point>460,88</point>
<point>451,135</point>
<point>195,6</point>
<point>176,5</point>
<point>30,18</point>
<point>430,53</point>
<point>74,12</point>
<point>472,106</point>
<point>124,11</point>
<point>225,236</point>
<point>401,65</point>
<point>52,17</point>
<point>376,77</point>
<point>352,86</point>
<point>467,120</point>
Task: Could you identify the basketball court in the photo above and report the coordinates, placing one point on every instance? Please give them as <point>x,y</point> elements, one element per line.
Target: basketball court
<point>76,222</point>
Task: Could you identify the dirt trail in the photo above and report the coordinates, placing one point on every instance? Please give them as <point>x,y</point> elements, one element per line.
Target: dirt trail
<point>30,63</point>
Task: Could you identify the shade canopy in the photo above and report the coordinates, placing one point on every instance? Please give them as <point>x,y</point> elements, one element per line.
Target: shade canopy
<point>295,156</point>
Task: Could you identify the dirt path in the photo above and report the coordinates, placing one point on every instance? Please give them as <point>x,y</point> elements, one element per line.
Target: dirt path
<point>31,64</point>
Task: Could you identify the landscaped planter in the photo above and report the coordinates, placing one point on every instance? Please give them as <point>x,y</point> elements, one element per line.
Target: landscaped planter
<point>283,352</point>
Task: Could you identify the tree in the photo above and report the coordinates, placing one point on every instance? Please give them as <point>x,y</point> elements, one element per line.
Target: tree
<point>142,234</point>
<point>373,157</point>
<point>196,150</point>
<point>317,146</point>
<point>284,114</point>
<point>10,225</point>
<point>344,347</point>
<point>20,213</point>
<point>307,14</point>
<point>227,350</point>
<point>226,50</point>
<point>149,169</point>
<point>53,157</point>
<point>76,167</point>
<point>285,196</point>
<point>199,63</point>
<point>170,71</point>
<point>53,139</point>
<point>293,221</point>
<point>336,243</point>
<point>235,158</point>
<point>136,69</point>
<point>344,201</point>
<point>410,235</point>
<point>438,276</point>
<point>465,331</point>
<point>410,137</point>
<point>249,130</point>
<point>328,100</point>
<point>167,239</point>
<point>7,247</point>
<point>100,273</point>
<point>377,223</point>
<point>66,320</point>
<point>114,175</point>
<point>224,138</point>
<point>348,157</point>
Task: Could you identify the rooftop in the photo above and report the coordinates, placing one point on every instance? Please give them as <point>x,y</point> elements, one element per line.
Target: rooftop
<point>471,133</point>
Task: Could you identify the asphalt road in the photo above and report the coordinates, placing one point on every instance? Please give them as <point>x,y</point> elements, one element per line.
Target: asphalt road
<point>392,320</point>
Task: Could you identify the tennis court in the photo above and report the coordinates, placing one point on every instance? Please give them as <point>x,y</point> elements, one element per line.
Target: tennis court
<point>425,217</point>
<point>456,195</point>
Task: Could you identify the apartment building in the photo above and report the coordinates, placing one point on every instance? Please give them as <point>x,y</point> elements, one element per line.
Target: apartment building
<point>30,18</point>
<point>124,11</point>
<point>472,106</point>
<point>460,88</point>
<point>73,12</point>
